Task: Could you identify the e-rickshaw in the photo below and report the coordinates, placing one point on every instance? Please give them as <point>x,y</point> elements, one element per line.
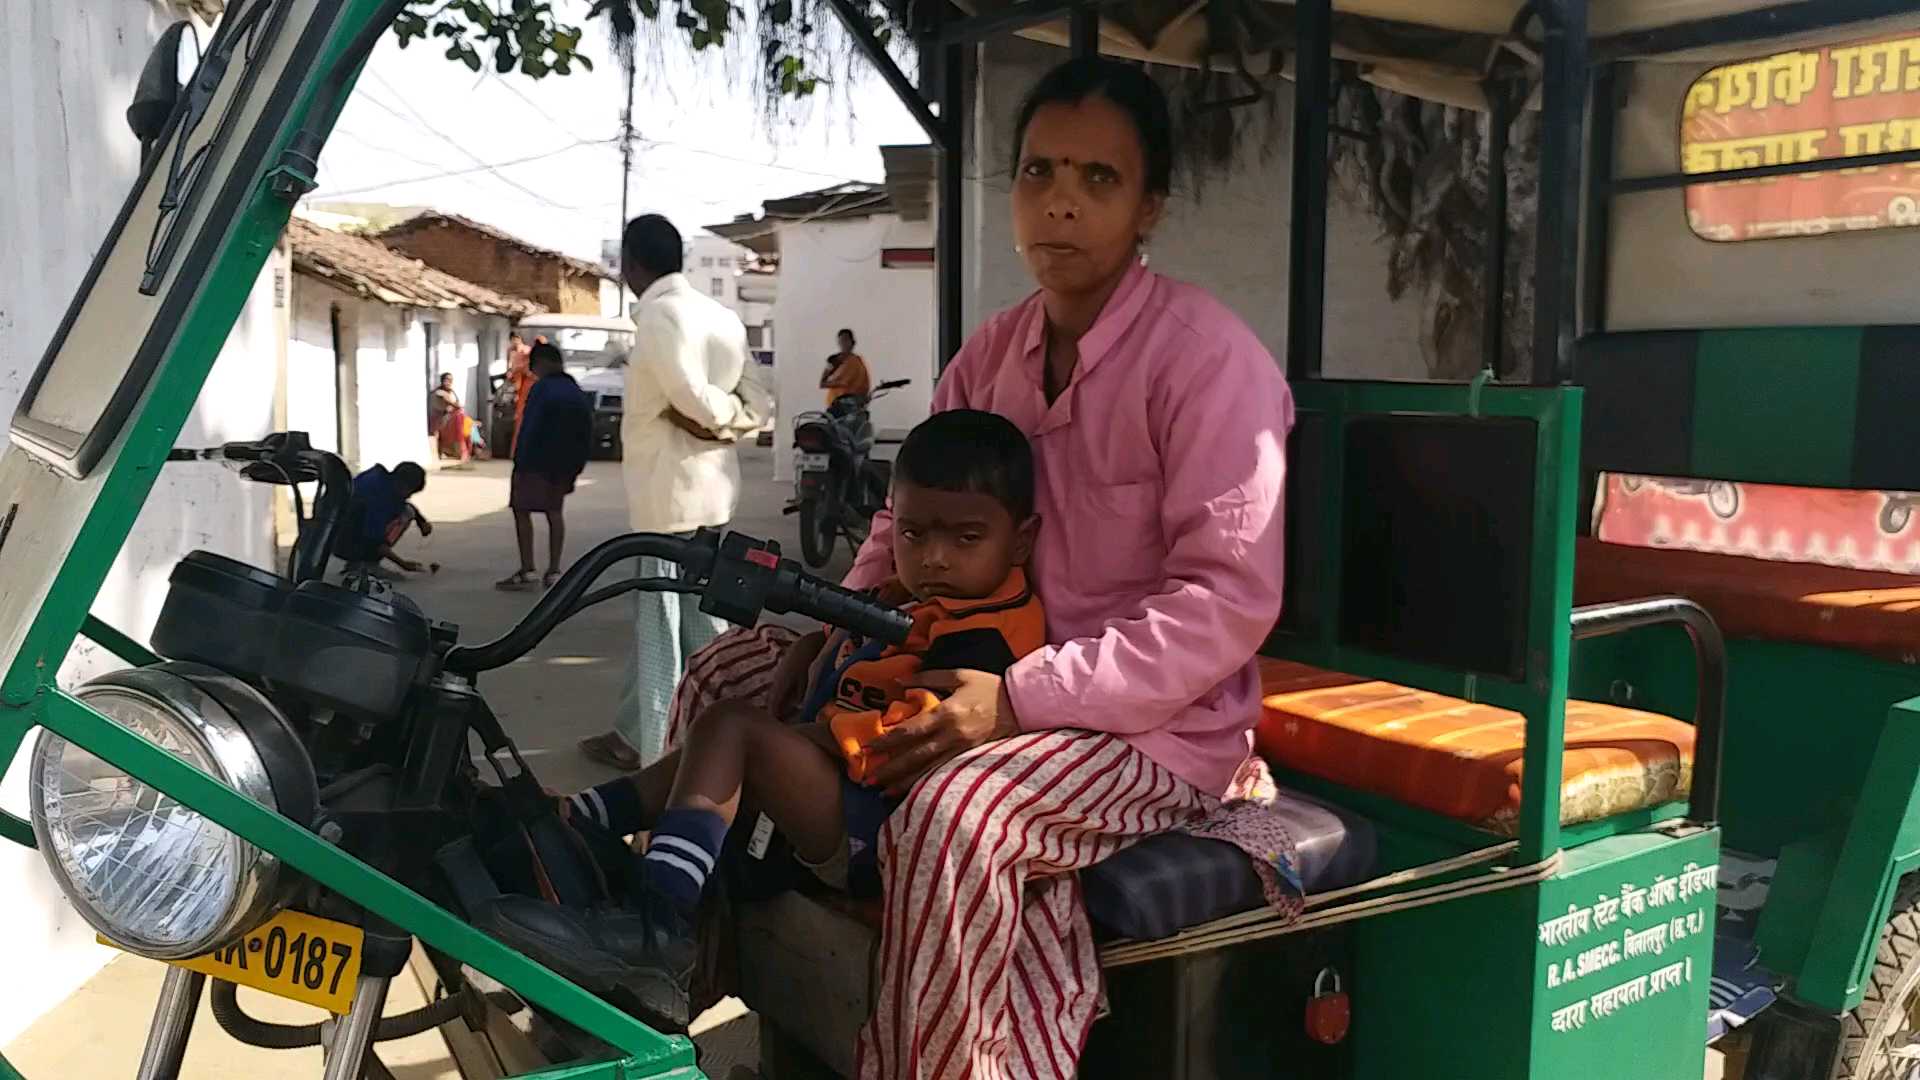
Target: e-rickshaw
<point>276,791</point>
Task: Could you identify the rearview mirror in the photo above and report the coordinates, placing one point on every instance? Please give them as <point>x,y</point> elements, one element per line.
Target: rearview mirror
<point>168,67</point>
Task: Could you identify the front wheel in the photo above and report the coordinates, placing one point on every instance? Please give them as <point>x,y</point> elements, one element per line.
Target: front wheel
<point>817,531</point>
<point>1881,1038</point>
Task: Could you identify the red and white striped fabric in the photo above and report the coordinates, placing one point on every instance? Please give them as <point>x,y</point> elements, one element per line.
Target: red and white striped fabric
<point>737,665</point>
<point>987,967</point>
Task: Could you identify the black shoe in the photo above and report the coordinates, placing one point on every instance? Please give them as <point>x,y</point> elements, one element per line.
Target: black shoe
<point>640,958</point>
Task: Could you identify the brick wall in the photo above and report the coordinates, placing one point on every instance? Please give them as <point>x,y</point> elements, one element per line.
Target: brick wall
<point>579,295</point>
<point>486,261</point>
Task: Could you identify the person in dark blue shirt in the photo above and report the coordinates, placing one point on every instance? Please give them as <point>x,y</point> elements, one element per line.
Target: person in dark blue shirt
<point>550,450</point>
<point>379,515</point>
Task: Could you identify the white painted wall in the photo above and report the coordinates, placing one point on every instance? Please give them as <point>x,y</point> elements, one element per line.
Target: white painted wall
<point>67,162</point>
<point>831,277</point>
<point>1231,236</point>
<point>313,404</point>
<point>388,372</point>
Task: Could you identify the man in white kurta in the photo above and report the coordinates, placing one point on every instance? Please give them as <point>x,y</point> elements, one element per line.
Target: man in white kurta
<point>690,397</point>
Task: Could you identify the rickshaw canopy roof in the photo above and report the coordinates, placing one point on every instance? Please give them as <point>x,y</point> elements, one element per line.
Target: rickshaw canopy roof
<point>1422,47</point>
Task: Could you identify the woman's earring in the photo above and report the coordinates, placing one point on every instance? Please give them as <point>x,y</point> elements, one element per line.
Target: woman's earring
<point>1019,250</point>
<point>1145,256</point>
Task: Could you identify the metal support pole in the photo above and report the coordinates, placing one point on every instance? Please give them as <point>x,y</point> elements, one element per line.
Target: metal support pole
<point>352,1038</point>
<point>948,235</point>
<point>1084,29</point>
<point>1493,323</point>
<point>626,173</point>
<point>1556,293</point>
<point>862,33</point>
<point>1307,259</point>
<point>172,1024</point>
<point>1599,223</point>
<point>1710,678</point>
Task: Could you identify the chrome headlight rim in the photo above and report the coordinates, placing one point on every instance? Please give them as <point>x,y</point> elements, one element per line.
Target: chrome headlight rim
<point>220,718</point>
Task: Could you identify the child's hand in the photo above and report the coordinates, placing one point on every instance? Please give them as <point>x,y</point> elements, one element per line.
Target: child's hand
<point>794,674</point>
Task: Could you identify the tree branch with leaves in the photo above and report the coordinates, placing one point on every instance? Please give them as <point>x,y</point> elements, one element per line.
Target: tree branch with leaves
<point>801,48</point>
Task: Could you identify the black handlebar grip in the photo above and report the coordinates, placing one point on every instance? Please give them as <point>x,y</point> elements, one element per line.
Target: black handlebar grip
<point>850,610</point>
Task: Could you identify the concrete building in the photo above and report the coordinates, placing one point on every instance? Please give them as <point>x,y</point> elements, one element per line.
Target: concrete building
<point>505,263</point>
<point>849,259</point>
<point>372,332</point>
<point>736,275</point>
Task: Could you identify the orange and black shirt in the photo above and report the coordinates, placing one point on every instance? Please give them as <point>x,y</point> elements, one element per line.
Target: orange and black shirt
<point>987,634</point>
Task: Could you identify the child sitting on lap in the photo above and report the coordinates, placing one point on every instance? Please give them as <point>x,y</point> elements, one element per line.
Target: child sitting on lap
<point>963,530</point>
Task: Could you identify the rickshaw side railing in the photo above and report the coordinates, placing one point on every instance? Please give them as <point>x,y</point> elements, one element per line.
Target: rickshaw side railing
<point>1710,678</point>
<point>1314,634</point>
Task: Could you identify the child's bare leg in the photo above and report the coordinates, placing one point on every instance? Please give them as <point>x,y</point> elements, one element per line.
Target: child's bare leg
<point>735,748</point>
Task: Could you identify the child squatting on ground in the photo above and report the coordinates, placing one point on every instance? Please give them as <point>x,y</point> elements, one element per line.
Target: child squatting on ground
<point>964,526</point>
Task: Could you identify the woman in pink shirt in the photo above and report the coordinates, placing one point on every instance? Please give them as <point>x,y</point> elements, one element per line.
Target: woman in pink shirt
<point>1159,427</point>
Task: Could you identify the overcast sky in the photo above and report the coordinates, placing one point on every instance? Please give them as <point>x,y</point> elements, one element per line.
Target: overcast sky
<point>419,128</point>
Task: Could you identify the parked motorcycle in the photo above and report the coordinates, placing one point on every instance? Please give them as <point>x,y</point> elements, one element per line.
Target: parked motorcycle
<point>838,486</point>
<point>350,711</point>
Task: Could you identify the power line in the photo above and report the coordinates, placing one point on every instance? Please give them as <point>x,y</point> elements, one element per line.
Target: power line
<point>535,106</point>
<point>428,127</point>
<point>487,167</point>
<point>703,152</point>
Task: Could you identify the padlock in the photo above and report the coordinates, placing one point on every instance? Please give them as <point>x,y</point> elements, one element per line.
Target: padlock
<point>1328,1012</point>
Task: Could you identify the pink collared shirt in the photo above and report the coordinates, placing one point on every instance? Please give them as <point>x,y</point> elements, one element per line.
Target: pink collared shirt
<point>1159,477</point>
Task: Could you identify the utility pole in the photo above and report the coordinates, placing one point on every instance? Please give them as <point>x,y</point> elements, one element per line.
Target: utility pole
<point>626,171</point>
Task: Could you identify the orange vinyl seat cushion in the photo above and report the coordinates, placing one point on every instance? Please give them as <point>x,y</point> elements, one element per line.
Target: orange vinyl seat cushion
<point>1861,610</point>
<point>1460,759</point>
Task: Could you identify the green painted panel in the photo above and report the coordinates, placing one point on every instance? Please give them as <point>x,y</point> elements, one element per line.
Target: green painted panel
<point>1777,406</point>
<point>1802,723</point>
<point>1643,1011</point>
<point>1541,697</point>
<point>1474,987</point>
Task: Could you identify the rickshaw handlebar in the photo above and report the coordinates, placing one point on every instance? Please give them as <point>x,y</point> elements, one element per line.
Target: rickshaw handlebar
<point>1710,660</point>
<point>288,458</point>
<point>736,577</point>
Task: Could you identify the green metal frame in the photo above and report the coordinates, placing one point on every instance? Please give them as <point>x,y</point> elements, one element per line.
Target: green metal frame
<point>1487,989</point>
<point>1542,698</point>
<point>29,698</point>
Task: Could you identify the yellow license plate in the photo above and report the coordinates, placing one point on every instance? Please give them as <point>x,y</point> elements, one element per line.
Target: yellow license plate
<point>292,955</point>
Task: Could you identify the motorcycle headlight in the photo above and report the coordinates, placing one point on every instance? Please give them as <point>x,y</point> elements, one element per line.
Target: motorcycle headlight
<point>146,871</point>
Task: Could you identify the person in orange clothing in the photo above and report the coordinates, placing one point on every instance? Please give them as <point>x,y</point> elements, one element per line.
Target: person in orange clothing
<point>963,495</point>
<point>846,372</point>
<point>520,377</point>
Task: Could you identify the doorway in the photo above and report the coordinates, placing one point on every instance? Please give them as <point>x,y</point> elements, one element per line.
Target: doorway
<point>346,386</point>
